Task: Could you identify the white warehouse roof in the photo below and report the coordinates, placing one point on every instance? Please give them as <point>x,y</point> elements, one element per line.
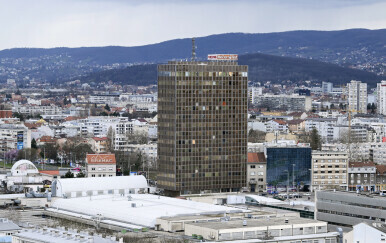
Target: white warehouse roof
<point>82,186</point>
<point>141,209</point>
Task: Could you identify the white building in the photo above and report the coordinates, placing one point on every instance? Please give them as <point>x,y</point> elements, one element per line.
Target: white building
<point>292,102</point>
<point>254,92</point>
<point>381,97</point>
<point>14,136</point>
<point>366,233</point>
<point>101,165</point>
<point>357,96</point>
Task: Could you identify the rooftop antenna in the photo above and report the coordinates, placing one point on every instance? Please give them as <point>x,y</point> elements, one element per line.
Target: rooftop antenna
<point>193,49</point>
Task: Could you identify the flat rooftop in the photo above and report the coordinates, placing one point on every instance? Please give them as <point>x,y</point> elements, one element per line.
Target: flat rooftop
<point>141,209</point>
<point>354,193</point>
<point>235,224</point>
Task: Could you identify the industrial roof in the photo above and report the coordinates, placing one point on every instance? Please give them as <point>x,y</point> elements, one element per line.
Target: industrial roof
<point>85,184</point>
<point>235,224</point>
<point>146,210</point>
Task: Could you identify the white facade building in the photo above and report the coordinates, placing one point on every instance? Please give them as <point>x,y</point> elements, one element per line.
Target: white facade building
<point>357,96</point>
<point>381,97</point>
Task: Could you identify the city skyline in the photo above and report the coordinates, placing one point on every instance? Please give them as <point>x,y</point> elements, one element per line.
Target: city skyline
<point>49,24</point>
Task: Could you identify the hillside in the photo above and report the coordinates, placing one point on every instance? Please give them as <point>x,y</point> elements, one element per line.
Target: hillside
<point>262,67</point>
<point>356,48</point>
<point>322,45</point>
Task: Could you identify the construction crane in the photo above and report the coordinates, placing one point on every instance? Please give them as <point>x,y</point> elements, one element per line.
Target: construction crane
<point>349,130</point>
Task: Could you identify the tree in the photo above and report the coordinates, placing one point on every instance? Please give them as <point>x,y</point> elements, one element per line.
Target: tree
<point>19,115</point>
<point>81,150</point>
<point>110,139</point>
<point>373,108</point>
<point>107,107</point>
<point>33,144</point>
<point>137,138</point>
<point>315,139</point>
<point>80,174</point>
<point>27,153</point>
<point>69,174</point>
<point>255,136</point>
<point>49,151</point>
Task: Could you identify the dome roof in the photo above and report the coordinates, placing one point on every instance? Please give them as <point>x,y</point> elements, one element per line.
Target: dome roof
<point>23,167</point>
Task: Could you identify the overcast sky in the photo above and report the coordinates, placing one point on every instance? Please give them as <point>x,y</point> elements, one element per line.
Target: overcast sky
<point>74,23</point>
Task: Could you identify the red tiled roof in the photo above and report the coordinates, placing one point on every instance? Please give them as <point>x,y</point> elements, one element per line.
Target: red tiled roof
<point>295,122</point>
<point>381,169</point>
<point>50,172</point>
<point>281,122</point>
<point>256,158</point>
<point>47,139</point>
<point>71,118</point>
<point>101,159</point>
<point>99,139</point>
<point>361,164</point>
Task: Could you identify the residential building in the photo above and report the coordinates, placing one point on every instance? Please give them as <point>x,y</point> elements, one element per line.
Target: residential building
<point>104,98</point>
<point>381,98</point>
<point>257,172</point>
<point>325,127</point>
<point>380,178</point>
<point>14,136</point>
<point>292,102</point>
<point>254,92</point>
<point>277,125</point>
<point>362,176</point>
<point>99,145</point>
<point>202,126</point>
<point>357,97</point>
<point>365,232</point>
<point>289,165</point>
<point>296,126</point>
<point>329,170</point>
<point>349,208</point>
<point>101,165</point>
<point>327,87</point>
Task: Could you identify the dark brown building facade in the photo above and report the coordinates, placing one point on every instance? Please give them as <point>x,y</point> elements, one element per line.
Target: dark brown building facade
<point>202,126</point>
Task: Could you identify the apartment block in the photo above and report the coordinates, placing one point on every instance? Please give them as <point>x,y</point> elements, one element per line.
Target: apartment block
<point>329,170</point>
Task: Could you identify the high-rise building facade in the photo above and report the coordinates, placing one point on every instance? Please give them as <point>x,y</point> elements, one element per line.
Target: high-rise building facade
<point>202,126</point>
<point>381,97</point>
<point>357,97</point>
<point>288,165</point>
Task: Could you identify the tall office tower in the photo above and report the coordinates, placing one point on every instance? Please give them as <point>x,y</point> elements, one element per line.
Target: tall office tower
<point>202,125</point>
<point>357,97</point>
<point>381,97</point>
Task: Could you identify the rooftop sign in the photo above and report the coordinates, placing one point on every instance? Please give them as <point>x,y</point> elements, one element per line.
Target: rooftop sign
<point>101,159</point>
<point>223,57</point>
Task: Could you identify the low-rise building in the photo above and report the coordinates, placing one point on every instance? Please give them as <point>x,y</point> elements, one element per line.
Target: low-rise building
<point>291,229</point>
<point>292,102</point>
<point>364,232</point>
<point>362,176</point>
<point>101,165</point>
<point>349,208</point>
<point>256,172</point>
<point>99,145</point>
<point>329,170</point>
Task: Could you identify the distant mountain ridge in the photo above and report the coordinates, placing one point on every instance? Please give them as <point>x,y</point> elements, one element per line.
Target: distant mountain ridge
<point>304,43</point>
<point>262,67</point>
<point>359,48</point>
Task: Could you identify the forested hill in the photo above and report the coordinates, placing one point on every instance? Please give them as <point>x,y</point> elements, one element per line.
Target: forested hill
<point>262,67</point>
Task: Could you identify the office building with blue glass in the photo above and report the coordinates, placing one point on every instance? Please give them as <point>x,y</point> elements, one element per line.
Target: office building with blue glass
<point>290,165</point>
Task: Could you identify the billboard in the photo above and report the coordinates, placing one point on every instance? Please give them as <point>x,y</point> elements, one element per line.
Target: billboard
<point>20,140</point>
<point>223,57</point>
